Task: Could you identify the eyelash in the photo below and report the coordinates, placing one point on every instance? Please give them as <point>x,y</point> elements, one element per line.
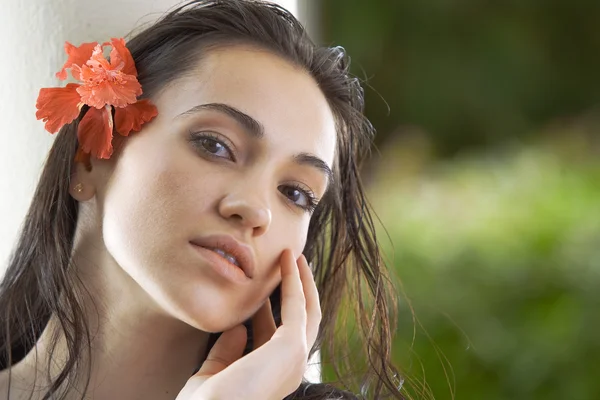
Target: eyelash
<point>311,199</point>
<point>199,138</point>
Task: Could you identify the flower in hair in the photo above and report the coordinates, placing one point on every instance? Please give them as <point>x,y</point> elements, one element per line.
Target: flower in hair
<point>105,86</point>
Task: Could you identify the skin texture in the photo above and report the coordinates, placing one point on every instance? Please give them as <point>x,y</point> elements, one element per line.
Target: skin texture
<point>155,299</point>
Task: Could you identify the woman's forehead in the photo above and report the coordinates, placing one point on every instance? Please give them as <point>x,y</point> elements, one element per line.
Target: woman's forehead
<point>284,100</point>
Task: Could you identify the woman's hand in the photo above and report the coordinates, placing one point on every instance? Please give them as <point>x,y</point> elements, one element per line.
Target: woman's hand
<point>277,364</point>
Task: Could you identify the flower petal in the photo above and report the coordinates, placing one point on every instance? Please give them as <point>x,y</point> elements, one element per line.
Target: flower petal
<point>118,92</point>
<point>133,116</point>
<point>120,54</point>
<point>97,59</point>
<point>77,56</point>
<point>95,132</point>
<point>58,106</point>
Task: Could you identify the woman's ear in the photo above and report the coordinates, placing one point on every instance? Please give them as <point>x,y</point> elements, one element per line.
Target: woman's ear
<point>81,186</point>
<point>89,177</point>
<point>87,180</point>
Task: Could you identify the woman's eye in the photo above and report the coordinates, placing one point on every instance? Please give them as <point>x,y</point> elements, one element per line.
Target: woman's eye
<point>212,146</point>
<point>300,197</point>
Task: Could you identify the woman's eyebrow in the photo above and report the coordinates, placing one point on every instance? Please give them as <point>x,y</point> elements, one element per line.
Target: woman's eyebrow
<point>250,125</point>
<point>316,162</point>
<point>256,130</point>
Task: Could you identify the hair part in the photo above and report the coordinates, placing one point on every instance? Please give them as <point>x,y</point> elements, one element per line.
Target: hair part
<point>341,244</point>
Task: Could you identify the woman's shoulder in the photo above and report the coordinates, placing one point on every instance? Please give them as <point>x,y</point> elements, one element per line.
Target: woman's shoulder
<point>4,384</point>
<point>19,389</point>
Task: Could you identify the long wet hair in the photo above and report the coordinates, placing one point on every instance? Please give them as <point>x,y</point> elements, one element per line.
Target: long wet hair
<point>357,297</point>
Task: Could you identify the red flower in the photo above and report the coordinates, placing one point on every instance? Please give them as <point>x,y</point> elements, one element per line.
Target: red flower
<point>104,85</point>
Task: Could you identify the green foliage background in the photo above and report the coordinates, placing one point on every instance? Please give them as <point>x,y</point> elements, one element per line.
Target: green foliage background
<point>470,72</point>
<point>488,182</point>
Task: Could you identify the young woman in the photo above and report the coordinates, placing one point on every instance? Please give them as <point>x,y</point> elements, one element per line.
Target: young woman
<point>199,227</point>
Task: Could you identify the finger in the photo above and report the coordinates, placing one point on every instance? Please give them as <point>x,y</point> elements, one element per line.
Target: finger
<point>228,348</point>
<point>263,325</point>
<point>313,306</point>
<point>293,304</point>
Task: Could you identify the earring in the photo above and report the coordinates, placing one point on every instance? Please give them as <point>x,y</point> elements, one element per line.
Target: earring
<point>78,188</point>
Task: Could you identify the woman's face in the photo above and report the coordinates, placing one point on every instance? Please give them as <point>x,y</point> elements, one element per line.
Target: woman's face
<point>237,150</point>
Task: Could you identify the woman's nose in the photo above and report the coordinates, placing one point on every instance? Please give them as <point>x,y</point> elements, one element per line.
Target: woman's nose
<point>248,210</point>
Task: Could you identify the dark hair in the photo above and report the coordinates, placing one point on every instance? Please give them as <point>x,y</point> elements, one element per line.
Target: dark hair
<point>341,237</point>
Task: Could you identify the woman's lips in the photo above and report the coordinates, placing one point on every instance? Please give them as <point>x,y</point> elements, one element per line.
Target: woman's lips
<point>221,265</point>
<point>242,253</point>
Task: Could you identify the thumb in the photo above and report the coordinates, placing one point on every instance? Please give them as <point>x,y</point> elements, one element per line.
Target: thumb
<point>228,348</point>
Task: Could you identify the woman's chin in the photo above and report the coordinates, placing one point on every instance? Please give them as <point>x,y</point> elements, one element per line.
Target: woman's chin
<point>208,316</point>
<point>212,323</point>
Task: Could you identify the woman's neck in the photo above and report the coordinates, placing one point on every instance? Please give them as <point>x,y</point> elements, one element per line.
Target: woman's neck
<point>137,351</point>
